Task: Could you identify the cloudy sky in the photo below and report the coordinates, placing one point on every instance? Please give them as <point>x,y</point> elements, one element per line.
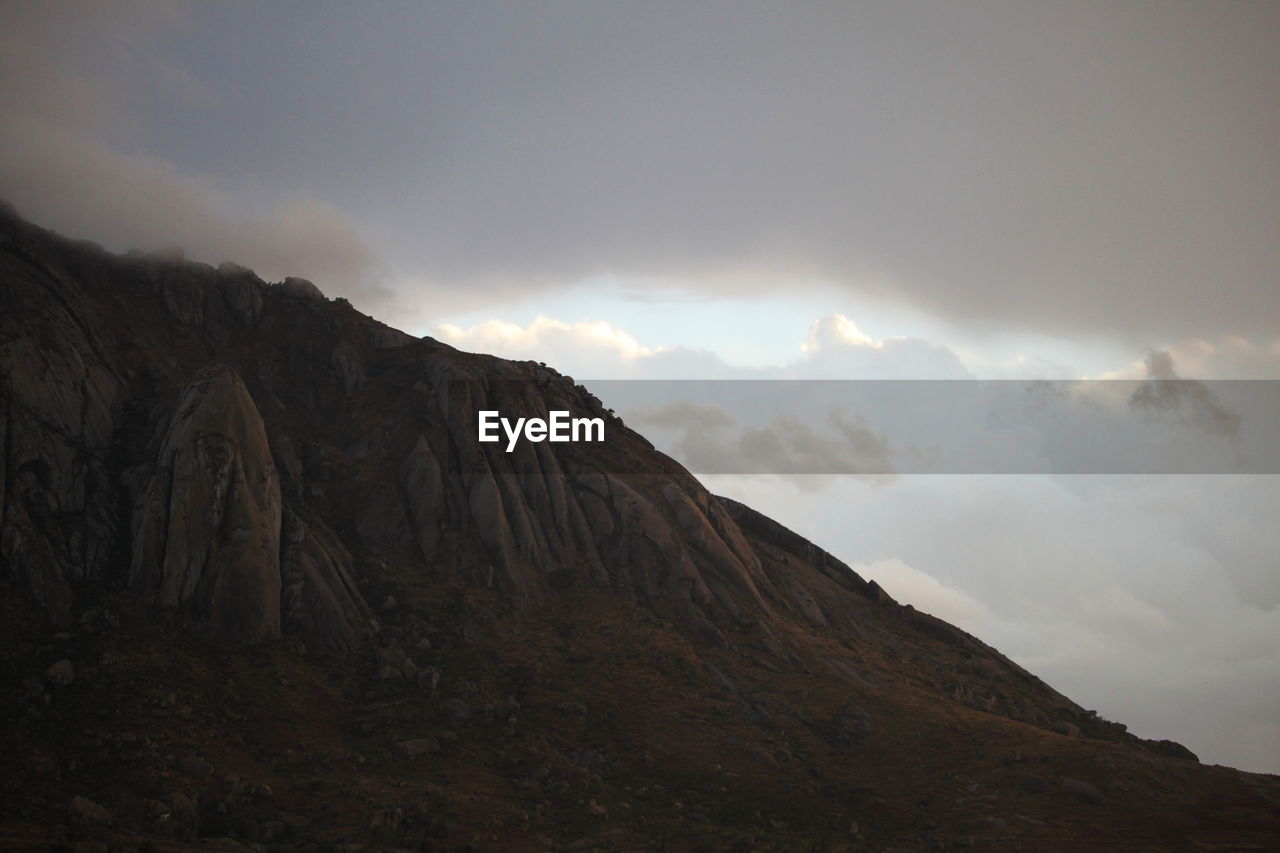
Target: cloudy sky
<point>738,190</point>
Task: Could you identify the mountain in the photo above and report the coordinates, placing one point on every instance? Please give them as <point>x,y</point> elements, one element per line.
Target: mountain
<point>261,586</point>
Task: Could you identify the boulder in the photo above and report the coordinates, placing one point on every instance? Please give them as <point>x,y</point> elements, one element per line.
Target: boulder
<point>61,673</point>
<point>183,811</point>
<point>1085,791</point>
<point>1172,749</point>
<point>87,812</point>
<point>1063,727</point>
<point>416,747</point>
<point>298,288</point>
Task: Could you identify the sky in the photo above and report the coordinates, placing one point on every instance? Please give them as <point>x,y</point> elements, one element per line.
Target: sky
<point>1027,189</point>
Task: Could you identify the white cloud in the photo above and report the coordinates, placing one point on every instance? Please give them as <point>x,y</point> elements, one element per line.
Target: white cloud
<point>925,592</point>
<point>834,347</point>
<point>1119,607</point>
<point>1152,599</point>
<point>837,331</point>
<point>560,344</point>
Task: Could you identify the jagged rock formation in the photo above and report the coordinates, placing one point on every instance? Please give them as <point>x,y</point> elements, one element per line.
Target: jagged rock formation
<point>206,528</point>
<point>418,638</point>
<point>320,598</point>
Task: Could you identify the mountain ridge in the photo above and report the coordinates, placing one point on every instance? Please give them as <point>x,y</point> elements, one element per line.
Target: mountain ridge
<point>200,463</point>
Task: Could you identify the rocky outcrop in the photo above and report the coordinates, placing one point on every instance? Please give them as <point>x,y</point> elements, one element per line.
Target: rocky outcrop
<point>319,598</point>
<point>298,288</point>
<point>662,539</point>
<point>60,397</point>
<point>423,485</point>
<point>220,302</point>
<point>350,367</point>
<point>206,524</point>
<point>383,338</point>
<point>658,536</point>
<point>242,294</point>
<point>206,527</point>
<point>769,531</point>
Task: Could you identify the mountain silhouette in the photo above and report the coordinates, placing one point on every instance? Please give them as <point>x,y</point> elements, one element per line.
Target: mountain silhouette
<point>261,586</point>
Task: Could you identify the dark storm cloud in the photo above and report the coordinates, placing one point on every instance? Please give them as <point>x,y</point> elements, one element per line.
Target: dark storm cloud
<point>1082,167</point>
<point>1078,167</point>
<point>75,78</point>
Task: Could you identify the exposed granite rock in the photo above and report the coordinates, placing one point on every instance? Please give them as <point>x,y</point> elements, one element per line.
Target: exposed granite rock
<point>206,540</point>
<point>288,465</point>
<point>1172,749</point>
<point>775,534</point>
<point>1085,791</point>
<point>298,288</point>
<point>350,367</point>
<point>242,292</point>
<point>319,597</point>
<point>383,338</point>
<point>60,397</point>
<point>421,479</point>
<point>183,302</point>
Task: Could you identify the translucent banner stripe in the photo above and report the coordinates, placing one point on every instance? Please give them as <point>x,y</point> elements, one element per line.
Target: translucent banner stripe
<point>876,428</point>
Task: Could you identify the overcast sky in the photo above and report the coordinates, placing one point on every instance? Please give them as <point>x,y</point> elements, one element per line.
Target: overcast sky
<point>866,190</point>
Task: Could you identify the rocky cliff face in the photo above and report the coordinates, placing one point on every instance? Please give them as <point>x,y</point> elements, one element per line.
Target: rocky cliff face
<point>206,527</point>
<point>191,454</point>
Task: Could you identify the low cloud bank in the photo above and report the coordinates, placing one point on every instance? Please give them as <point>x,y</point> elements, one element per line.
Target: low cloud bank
<point>1150,599</point>
<point>68,161</point>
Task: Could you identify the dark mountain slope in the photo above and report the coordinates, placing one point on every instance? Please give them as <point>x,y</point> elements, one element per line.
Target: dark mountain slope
<point>263,584</point>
